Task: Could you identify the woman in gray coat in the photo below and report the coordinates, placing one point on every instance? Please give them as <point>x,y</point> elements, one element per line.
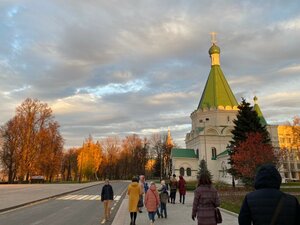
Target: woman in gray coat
<point>206,199</point>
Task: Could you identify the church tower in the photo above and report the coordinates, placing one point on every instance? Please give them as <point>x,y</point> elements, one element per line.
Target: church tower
<point>212,121</point>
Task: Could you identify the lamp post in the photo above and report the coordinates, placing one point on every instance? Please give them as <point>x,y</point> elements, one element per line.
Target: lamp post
<point>204,122</point>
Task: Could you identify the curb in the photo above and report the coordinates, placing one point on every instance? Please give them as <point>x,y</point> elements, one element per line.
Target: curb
<point>43,199</point>
<point>229,212</point>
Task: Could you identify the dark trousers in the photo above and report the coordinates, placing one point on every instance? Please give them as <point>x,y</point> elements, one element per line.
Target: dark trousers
<point>163,209</point>
<point>173,196</point>
<point>182,197</point>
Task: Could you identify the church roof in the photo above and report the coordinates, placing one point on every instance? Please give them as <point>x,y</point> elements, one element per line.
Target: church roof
<point>259,113</point>
<point>217,91</point>
<point>183,153</point>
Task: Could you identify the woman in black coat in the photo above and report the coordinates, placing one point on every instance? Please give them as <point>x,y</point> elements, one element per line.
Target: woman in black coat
<point>261,206</point>
<point>107,195</point>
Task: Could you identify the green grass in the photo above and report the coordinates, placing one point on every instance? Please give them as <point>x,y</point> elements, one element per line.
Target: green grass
<point>291,184</point>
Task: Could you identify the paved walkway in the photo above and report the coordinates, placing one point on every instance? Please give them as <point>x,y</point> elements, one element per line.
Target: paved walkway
<point>178,214</point>
<point>16,195</point>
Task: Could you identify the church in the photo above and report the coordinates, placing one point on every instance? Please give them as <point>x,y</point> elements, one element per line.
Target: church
<point>212,123</point>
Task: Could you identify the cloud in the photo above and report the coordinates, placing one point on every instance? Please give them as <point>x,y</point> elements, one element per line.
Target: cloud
<point>121,67</point>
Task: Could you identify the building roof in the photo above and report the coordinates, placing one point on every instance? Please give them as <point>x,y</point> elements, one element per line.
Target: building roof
<point>183,153</point>
<point>226,152</point>
<point>217,91</point>
<point>259,113</point>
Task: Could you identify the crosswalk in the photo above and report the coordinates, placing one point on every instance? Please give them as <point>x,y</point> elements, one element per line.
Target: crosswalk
<point>86,197</point>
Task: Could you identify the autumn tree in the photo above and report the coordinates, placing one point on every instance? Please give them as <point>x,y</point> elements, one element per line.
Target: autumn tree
<point>69,168</point>
<point>250,154</point>
<point>133,156</point>
<point>246,122</point>
<point>33,135</point>
<point>111,150</point>
<point>89,159</point>
<point>9,153</point>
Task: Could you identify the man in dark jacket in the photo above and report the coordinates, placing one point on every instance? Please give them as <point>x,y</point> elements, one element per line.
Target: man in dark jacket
<point>107,195</point>
<point>261,206</point>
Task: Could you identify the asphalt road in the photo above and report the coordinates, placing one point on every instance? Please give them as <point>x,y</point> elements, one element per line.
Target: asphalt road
<point>79,208</point>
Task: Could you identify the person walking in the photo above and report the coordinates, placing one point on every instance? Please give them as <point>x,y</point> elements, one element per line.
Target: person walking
<point>152,202</point>
<point>134,192</point>
<point>182,189</point>
<point>173,188</point>
<point>206,199</point>
<point>164,197</point>
<point>267,204</point>
<point>107,195</point>
<point>143,191</point>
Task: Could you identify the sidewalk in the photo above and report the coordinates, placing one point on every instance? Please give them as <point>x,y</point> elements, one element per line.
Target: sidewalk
<point>17,195</point>
<point>178,214</point>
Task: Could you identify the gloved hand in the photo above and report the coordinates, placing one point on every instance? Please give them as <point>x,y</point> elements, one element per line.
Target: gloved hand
<point>193,217</point>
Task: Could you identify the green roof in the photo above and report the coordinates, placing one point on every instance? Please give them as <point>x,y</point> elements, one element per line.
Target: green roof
<point>260,115</point>
<point>183,153</point>
<point>214,49</point>
<point>217,91</point>
<point>226,152</point>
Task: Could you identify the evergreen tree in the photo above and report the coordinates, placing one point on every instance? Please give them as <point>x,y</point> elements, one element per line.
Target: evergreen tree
<point>246,122</point>
<point>203,169</point>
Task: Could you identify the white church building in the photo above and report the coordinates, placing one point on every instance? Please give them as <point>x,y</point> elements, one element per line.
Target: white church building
<point>212,123</point>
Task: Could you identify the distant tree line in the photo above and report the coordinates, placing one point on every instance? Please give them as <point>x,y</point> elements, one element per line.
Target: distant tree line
<point>31,144</point>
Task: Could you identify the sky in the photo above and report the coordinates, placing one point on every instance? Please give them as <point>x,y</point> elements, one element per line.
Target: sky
<point>139,67</point>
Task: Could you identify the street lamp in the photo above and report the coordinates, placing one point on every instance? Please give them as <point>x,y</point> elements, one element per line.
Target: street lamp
<point>204,122</point>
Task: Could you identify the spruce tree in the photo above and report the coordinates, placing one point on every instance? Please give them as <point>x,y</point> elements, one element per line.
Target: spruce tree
<point>203,169</point>
<point>246,122</point>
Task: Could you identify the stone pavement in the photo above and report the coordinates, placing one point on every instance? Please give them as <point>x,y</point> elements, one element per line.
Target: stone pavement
<point>178,214</point>
<point>16,195</point>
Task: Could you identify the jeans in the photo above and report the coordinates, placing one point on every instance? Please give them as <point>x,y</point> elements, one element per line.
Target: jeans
<point>151,216</point>
<point>163,209</point>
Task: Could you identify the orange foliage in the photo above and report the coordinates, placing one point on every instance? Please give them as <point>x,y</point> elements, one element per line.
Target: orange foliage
<point>252,153</point>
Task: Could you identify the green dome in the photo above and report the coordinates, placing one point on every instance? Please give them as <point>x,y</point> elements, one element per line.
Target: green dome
<point>214,49</point>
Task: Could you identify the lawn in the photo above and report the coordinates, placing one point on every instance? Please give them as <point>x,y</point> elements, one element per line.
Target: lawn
<point>232,198</point>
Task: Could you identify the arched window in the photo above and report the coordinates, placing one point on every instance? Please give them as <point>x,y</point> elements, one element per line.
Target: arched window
<point>188,172</point>
<point>181,171</point>
<point>213,153</point>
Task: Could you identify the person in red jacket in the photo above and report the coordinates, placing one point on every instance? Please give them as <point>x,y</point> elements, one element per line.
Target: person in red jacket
<point>182,189</point>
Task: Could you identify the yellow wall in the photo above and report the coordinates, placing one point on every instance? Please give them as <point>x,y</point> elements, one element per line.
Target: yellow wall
<point>289,137</point>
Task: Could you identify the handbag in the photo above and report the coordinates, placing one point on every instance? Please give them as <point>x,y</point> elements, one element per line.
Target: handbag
<point>218,215</point>
<point>140,202</point>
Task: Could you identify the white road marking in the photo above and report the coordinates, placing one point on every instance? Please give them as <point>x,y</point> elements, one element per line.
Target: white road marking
<point>86,197</point>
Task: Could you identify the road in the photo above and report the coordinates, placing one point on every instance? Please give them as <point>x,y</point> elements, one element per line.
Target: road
<point>79,208</point>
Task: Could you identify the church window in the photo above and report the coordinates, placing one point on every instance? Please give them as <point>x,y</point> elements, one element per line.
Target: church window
<point>181,171</point>
<point>213,153</point>
<point>188,172</point>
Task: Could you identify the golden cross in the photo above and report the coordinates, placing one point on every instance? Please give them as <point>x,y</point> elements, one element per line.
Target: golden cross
<point>213,37</point>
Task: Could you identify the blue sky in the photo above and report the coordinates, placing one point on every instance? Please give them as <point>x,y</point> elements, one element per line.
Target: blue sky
<point>122,67</point>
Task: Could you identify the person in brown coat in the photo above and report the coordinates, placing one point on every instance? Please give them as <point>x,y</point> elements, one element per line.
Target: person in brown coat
<point>206,199</point>
<point>182,189</point>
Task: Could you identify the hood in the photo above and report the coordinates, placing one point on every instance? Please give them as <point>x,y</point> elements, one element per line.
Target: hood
<point>267,177</point>
<point>134,184</point>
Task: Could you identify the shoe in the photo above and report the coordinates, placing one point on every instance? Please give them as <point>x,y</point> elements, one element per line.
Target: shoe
<point>140,211</point>
<point>161,216</point>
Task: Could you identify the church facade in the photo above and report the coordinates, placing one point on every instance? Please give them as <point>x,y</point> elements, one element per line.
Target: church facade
<point>212,123</point>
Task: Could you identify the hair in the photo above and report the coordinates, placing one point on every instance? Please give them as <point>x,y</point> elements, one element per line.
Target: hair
<point>174,175</point>
<point>204,179</point>
<point>135,179</point>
